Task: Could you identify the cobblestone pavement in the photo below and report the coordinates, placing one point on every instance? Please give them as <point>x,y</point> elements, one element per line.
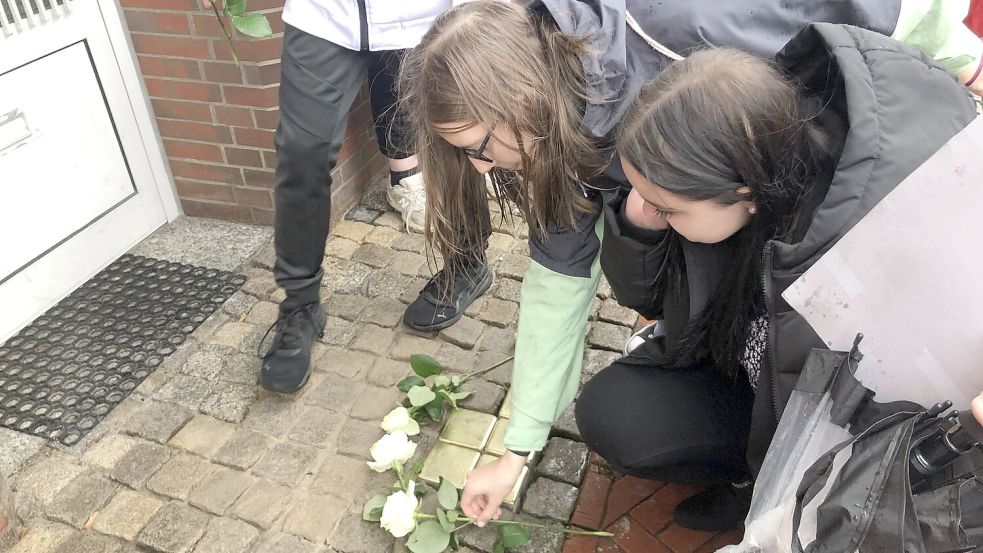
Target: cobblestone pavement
<point>200,459</point>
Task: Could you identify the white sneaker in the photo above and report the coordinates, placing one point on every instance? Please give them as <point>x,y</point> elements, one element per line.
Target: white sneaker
<point>409,198</point>
<point>647,332</point>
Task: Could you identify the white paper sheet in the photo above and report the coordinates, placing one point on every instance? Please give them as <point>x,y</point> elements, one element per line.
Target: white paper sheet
<point>910,277</point>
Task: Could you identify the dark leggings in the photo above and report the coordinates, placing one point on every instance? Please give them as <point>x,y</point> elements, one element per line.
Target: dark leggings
<point>686,426</point>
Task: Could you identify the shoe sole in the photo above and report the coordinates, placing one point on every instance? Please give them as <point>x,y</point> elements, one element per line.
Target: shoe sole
<point>483,287</point>
<point>413,227</point>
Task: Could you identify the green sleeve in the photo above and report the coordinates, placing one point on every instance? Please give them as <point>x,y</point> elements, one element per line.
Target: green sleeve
<point>549,350</point>
<point>936,28</point>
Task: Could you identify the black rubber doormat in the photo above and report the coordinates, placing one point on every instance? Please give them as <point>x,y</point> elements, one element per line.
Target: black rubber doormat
<point>66,371</point>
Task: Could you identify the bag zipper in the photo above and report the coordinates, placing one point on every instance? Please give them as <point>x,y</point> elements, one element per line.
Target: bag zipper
<point>769,308</point>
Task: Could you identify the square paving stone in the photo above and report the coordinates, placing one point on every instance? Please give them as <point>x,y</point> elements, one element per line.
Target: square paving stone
<point>203,435</point>
<point>372,339</point>
<point>550,499</point>
<point>375,403</point>
<point>286,463</point>
<point>608,336</point>
<point>109,450</point>
<point>220,490</point>
<point>140,463</point>
<point>179,476</point>
<point>90,542</point>
<point>387,372</point>
<point>242,449</point>
<point>342,476</point>
<point>486,397</point>
<point>508,290</point>
<point>501,374</point>
<point>614,313</point>
<point>317,427</point>
<point>238,305</point>
<point>126,514</point>
<point>174,529</point>
<point>338,332</point>
<point>452,462</point>
<point>540,540</point>
<point>357,437</point>
<point>47,475</point>
<point>185,390</point>
<point>346,363</point>
<point>501,340</point>
<point>468,428</point>
<point>346,306</point>
<point>285,543</point>
<point>406,346</point>
<point>273,415</point>
<point>43,536</point>
<point>229,401</point>
<point>411,242</point>
<point>80,498</point>
<point>566,425</point>
<point>354,535</point>
<point>335,393</point>
<point>408,263</point>
<point>158,421</point>
<point>384,283</point>
<point>339,247</point>
<point>262,503</point>
<point>385,312</point>
<point>314,516</point>
<point>464,333</point>
<point>564,460</point>
<point>227,536</point>
<point>499,313</point>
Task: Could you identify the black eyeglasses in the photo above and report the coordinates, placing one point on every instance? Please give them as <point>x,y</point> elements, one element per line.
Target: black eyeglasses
<point>479,153</point>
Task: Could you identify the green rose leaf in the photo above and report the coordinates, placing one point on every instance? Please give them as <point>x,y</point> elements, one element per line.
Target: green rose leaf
<point>372,511</point>
<point>442,520</point>
<point>456,380</point>
<point>428,537</point>
<point>443,395</point>
<point>235,7</point>
<point>255,25</point>
<point>442,381</point>
<point>409,382</point>
<point>424,365</point>
<point>436,409</point>
<point>420,395</point>
<point>512,535</point>
<point>458,396</point>
<point>453,515</point>
<point>447,495</point>
<point>454,544</point>
<point>414,470</point>
<point>498,548</point>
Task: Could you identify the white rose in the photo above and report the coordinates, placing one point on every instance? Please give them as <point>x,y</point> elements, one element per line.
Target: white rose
<point>398,514</point>
<point>391,448</point>
<point>399,420</point>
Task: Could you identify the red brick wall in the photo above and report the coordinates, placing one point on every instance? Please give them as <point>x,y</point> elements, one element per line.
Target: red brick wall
<point>217,118</point>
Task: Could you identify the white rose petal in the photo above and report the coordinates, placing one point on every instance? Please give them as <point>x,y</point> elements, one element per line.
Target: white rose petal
<point>391,448</point>
<point>399,420</point>
<point>398,514</point>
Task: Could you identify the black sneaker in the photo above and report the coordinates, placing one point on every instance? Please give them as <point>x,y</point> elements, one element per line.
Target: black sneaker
<point>719,507</point>
<point>287,364</point>
<point>435,309</point>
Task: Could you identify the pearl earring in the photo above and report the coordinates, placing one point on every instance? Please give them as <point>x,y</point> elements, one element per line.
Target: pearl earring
<point>752,210</point>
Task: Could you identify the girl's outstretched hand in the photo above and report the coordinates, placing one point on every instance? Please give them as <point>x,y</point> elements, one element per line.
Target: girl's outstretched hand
<point>487,486</point>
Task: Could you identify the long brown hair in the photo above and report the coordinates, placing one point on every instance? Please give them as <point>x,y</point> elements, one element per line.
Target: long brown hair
<point>707,126</point>
<point>502,66</point>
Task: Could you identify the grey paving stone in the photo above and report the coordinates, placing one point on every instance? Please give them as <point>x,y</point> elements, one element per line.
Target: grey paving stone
<point>346,306</point>
<point>338,332</point>
<point>508,289</point>
<point>564,460</point>
<point>179,476</point>
<point>352,230</point>
<point>407,345</point>
<point>18,448</point>
<point>407,263</point>
<point>140,463</point>
<point>251,342</point>
<point>273,415</point>
<point>126,514</point>
<point>174,529</point>
<point>502,374</point>
<point>373,255</point>
<point>314,516</point>
<point>344,362</point>
<point>613,313</point>
<point>383,311</point>
<point>341,476</point>
<point>339,247</point>
<point>335,393</point>
<point>188,391</point>
<point>550,499</point>
<point>604,289</point>
<point>227,536</point>
<point>220,490</point>
<point>412,289</point>
<point>566,425</point>
<point>362,214</point>
<point>455,358</point>
<point>411,242</point>
<point>262,503</point>
<point>597,360</point>
<point>242,449</point>
<point>354,535</point>
<point>499,313</point>
<point>79,499</point>
<point>541,541</point>
<point>475,308</point>
<point>487,396</point>
<point>286,463</point>
<point>482,539</point>
<point>285,543</point>
<point>263,314</point>
<point>203,435</point>
<point>316,427</point>
<point>207,362</point>
<point>43,536</point>
<point>357,437</point>
<point>512,266</point>
<point>384,235</point>
<point>464,333</point>
<point>238,304</point>
<point>90,542</point>
<point>385,283</point>
<point>387,372</point>
<point>232,334</point>
<point>345,276</point>
<point>241,368</point>
<point>608,336</point>
<point>373,339</point>
<point>374,403</point>
<point>501,340</point>
<point>259,282</point>
<point>48,474</point>
<point>229,401</point>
